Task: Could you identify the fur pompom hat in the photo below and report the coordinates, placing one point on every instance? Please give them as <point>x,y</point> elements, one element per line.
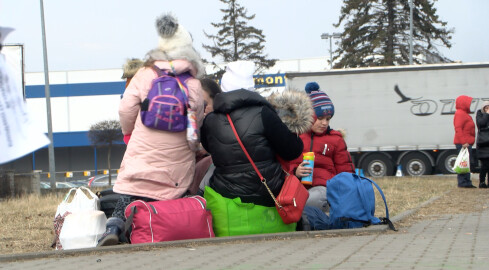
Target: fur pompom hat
<point>320,101</point>
<point>294,109</point>
<point>175,42</point>
<point>171,34</point>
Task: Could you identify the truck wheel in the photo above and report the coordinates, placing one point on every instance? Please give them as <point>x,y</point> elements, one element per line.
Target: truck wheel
<point>416,164</point>
<point>446,161</point>
<point>378,165</point>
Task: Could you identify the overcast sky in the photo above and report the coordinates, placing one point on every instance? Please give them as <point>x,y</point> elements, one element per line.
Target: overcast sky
<point>98,34</point>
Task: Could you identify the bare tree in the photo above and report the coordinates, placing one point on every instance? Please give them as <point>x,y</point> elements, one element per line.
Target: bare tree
<point>105,134</point>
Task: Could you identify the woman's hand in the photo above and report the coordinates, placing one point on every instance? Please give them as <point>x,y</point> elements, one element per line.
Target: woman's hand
<point>303,171</point>
<point>465,145</point>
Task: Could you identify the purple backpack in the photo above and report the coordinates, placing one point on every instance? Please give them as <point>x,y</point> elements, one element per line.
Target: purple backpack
<point>165,108</point>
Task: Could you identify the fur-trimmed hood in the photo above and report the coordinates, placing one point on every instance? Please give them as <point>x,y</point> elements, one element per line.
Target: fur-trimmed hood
<point>294,108</point>
<point>184,53</point>
<point>340,131</point>
<point>131,67</point>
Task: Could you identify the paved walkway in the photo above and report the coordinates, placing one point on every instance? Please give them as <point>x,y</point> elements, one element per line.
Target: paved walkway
<point>450,242</point>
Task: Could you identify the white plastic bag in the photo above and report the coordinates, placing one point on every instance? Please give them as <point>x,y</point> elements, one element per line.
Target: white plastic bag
<point>82,200</point>
<point>462,163</point>
<point>82,229</point>
<point>79,202</point>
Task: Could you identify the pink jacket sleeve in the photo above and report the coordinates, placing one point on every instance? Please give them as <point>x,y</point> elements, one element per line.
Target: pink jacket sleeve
<point>131,102</point>
<point>196,99</point>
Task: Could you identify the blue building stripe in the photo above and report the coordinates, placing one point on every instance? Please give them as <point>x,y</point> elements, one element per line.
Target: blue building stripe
<point>117,88</point>
<point>76,89</point>
<point>72,139</point>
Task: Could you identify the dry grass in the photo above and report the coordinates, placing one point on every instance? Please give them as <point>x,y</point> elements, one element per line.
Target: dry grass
<point>458,201</point>
<point>404,193</point>
<point>26,223</point>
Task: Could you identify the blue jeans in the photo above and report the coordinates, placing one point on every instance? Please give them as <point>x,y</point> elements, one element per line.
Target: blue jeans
<point>464,178</point>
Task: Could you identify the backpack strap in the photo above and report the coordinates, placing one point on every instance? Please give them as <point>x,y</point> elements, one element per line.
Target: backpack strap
<point>385,220</point>
<point>182,86</point>
<point>158,71</point>
<point>180,80</point>
<point>362,192</point>
<point>129,219</point>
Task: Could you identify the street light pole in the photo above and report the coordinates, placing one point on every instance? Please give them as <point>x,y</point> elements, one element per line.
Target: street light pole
<point>330,37</point>
<point>52,170</point>
<point>330,52</point>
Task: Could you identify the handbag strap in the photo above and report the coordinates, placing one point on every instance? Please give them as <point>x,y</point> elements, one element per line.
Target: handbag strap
<point>262,179</point>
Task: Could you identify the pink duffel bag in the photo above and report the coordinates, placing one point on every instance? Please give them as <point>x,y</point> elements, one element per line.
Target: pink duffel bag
<point>185,218</point>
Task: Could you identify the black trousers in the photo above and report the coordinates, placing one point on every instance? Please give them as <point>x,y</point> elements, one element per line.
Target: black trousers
<point>484,170</point>
<point>123,202</point>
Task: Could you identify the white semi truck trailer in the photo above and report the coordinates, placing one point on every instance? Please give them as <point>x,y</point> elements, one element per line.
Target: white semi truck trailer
<point>400,115</point>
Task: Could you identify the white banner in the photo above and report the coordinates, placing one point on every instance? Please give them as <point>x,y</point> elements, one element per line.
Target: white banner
<point>18,134</point>
<point>13,57</point>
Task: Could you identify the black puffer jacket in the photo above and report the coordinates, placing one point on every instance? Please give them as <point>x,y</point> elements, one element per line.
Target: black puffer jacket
<point>482,121</point>
<point>263,134</point>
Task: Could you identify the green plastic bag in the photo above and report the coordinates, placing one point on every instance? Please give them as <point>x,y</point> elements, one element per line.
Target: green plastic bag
<point>233,217</point>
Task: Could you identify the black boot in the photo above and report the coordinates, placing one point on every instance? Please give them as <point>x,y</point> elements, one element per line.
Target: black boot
<point>113,231</point>
<point>483,185</point>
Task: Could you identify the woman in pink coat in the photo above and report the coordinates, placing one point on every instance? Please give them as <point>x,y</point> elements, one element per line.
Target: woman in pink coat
<point>157,165</point>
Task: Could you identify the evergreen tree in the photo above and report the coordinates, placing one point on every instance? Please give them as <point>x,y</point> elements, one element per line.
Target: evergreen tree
<point>376,33</point>
<point>105,133</point>
<point>235,40</point>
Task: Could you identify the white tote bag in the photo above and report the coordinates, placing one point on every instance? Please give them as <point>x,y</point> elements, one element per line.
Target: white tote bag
<point>82,229</point>
<point>462,163</point>
<point>77,200</point>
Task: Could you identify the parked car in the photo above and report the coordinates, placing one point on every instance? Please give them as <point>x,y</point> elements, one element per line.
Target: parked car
<point>101,180</point>
<point>80,183</point>
<point>47,185</point>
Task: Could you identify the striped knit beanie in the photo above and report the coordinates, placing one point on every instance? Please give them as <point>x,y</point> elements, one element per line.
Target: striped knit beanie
<point>321,103</point>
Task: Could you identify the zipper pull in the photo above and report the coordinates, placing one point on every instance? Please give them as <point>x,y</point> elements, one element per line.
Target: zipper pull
<point>295,205</point>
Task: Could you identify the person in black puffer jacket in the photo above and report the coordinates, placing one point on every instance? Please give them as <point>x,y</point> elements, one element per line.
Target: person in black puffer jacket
<point>482,121</point>
<point>262,132</point>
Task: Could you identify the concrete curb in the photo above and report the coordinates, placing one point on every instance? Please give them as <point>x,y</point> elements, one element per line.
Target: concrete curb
<point>191,243</point>
<point>217,240</point>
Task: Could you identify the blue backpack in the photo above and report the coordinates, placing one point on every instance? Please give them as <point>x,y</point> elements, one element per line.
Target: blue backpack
<point>352,202</point>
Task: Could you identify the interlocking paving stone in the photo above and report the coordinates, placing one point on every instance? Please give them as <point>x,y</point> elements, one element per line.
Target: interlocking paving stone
<point>449,242</point>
